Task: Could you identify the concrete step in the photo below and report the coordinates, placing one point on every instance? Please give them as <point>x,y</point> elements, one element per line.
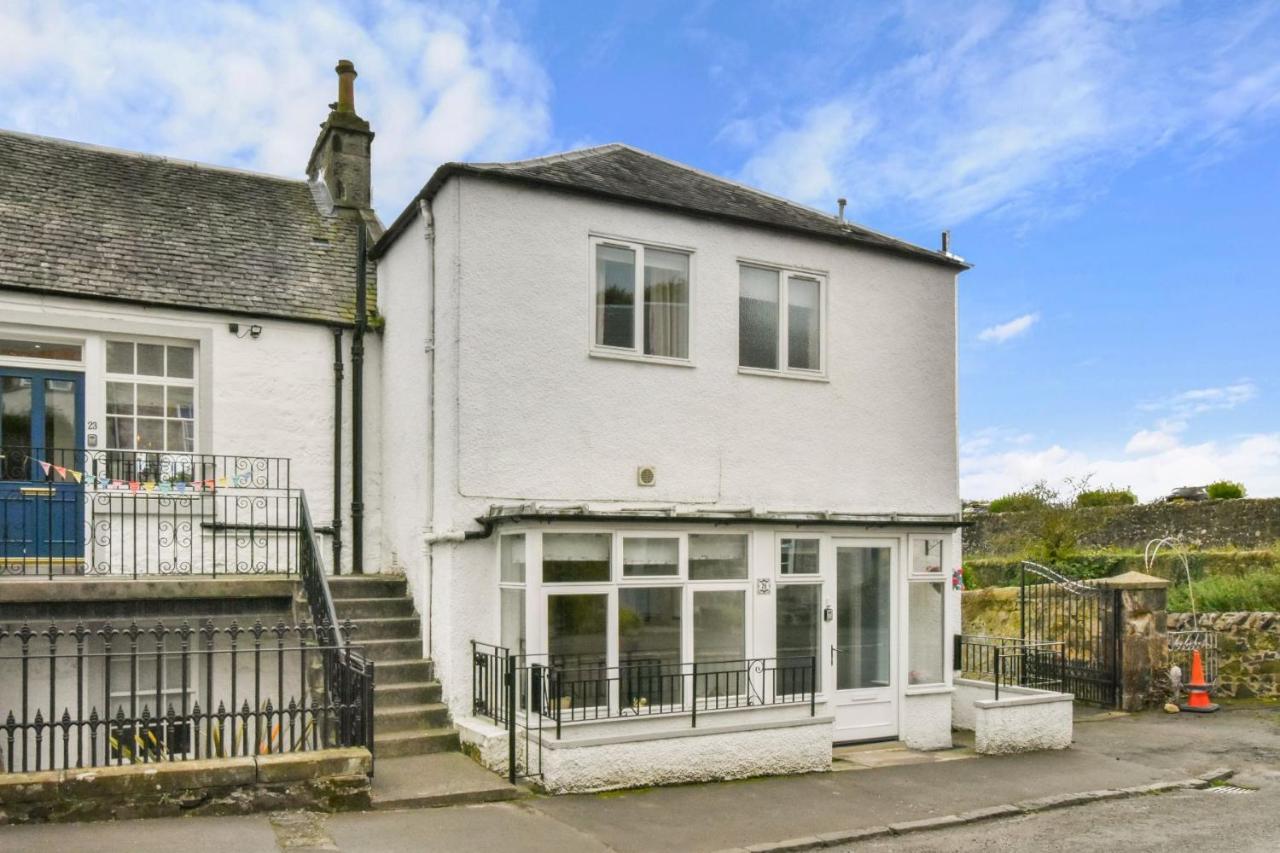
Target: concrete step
<point>421,742</point>
<point>402,672</point>
<point>395,628</point>
<point>367,586</point>
<point>407,693</point>
<point>391,650</point>
<point>373,608</point>
<point>441,779</point>
<point>409,717</point>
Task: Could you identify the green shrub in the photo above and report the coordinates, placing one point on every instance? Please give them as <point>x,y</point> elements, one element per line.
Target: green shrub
<point>1032,498</point>
<point>1225,490</point>
<point>1221,593</point>
<point>1106,497</point>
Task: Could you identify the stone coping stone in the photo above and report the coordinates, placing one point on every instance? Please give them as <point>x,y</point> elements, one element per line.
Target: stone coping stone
<point>129,781</point>
<point>95,590</point>
<point>132,780</point>
<point>300,766</point>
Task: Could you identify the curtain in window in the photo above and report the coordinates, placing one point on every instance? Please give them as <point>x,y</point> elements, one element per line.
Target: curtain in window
<point>666,304</point>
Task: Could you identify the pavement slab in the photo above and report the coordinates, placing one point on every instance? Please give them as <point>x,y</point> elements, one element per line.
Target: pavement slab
<point>438,779</point>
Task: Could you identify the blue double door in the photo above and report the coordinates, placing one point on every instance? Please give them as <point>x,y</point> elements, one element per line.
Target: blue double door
<point>41,445</point>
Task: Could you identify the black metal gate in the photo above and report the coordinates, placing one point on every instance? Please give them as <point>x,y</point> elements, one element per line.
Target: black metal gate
<point>1086,618</point>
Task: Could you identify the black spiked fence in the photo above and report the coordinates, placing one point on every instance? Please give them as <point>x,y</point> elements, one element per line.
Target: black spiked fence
<point>76,697</point>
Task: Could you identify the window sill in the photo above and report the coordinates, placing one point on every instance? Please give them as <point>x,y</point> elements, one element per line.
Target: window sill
<point>619,355</point>
<point>783,374</point>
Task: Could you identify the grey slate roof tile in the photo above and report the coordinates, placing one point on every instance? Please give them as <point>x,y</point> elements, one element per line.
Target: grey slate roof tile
<point>629,174</point>
<point>91,222</point>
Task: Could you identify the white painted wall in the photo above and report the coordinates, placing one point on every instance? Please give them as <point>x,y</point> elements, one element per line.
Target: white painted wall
<point>1021,720</point>
<point>272,396</point>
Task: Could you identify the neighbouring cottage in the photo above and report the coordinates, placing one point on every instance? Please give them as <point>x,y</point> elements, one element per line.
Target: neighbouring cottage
<point>676,455</point>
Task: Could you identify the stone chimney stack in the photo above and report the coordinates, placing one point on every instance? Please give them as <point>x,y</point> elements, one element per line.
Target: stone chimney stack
<point>339,164</point>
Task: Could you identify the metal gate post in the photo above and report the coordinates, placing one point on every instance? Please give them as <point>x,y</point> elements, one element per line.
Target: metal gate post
<point>509,685</point>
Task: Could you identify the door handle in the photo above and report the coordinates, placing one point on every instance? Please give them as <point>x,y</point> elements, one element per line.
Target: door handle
<point>835,649</point>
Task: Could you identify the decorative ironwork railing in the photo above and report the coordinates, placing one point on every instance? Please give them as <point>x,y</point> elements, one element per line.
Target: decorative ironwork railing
<point>76,697</point>
<point>1010,662</point>
<point>137,469</point>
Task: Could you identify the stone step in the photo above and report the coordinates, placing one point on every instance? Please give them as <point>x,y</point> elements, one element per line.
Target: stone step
<point>421,742</point>
<point>373,608</point>
<point>391,650</point>
<point>367,586</point>
<point>402,672</point>
<point>395,628</point>
<point>407,693</point>
<point>409,717</point>
<point>442,779</point>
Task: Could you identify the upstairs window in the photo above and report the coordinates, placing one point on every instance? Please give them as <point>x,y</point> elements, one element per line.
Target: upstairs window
<point>780,322</point>
<point>641,298</point>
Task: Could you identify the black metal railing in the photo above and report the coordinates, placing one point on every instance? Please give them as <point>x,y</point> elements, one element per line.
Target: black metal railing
<point>75,697</point>
<point>524,692</point>
<point>122,468</point>
<point>131,513</point>
<point>50,531</point>
<point>1010,662</point>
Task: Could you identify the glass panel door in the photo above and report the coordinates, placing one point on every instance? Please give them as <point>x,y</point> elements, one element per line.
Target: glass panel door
<point>865,639</point>
<point>864,621</point>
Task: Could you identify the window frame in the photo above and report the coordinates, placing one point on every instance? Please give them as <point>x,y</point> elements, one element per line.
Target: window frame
<point>164,381</point>
<point>943,580</point>
<point>785,274</point>
<point>636,352</point>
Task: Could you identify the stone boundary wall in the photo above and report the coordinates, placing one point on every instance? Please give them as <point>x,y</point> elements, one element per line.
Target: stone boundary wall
<point>1248,651</point>
<point>1244,523</point>
<point>326,780</point>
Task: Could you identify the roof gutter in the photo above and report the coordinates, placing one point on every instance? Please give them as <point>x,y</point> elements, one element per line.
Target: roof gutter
<point>490,522</point>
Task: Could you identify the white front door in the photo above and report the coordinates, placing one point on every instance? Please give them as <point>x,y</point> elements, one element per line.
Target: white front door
<point>862,658</point>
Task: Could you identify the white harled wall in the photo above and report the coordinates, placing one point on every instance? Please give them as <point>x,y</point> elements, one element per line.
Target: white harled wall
<point>270,396</point>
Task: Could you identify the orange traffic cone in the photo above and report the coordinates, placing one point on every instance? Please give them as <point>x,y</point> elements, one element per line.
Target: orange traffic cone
<point>1197,689</point>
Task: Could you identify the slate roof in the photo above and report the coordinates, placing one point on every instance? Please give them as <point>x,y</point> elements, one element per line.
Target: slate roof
<point>84,221</point>
<point>628,174</point>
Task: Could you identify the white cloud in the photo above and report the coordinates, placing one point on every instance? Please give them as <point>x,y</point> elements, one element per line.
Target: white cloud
<point>991,106</point>
<point>248,86</point>
<point>1252,459</point>
<point>1005,331</point>
<point>996,461</point>
<point>1197,401</point>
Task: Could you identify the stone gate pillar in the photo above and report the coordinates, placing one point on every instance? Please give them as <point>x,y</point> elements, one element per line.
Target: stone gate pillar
<point>1144,641</point>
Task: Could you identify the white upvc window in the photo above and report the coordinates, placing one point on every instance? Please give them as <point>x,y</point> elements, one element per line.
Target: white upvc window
<point>640,301</point>
<point>782,323</point>
<point>926,610</point>
<point>649,601</point>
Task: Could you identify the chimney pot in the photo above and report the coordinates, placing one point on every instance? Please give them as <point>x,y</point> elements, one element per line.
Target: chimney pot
<point>841,202</point>
<point>346,86</point>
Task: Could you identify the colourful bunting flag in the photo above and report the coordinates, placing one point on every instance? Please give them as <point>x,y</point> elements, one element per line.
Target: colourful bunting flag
<point>46,466</point>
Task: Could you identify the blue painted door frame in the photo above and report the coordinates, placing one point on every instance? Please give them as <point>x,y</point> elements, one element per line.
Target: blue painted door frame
<point>41,513</point>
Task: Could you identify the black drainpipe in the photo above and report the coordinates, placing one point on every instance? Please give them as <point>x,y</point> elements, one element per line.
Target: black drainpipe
<point>337,451</point>
<point>357,409</point>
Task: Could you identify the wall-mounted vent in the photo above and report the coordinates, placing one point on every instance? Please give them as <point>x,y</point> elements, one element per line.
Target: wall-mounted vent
<point>646,475</point>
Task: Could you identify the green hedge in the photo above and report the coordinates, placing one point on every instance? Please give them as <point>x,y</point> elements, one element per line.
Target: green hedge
<point>1225,490</point>
<point>1003,571</point>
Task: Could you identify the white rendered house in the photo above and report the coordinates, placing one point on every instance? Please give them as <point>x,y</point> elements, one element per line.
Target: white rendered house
<point>684,452</point>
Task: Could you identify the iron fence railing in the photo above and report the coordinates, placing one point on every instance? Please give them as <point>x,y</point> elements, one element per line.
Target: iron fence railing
<point>1011,662</point>
<point>126,468</point>
<point>530,694</point>
<point>77,697</point>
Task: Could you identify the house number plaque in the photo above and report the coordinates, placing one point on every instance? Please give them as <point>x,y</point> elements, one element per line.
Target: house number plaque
<point>762,586</point>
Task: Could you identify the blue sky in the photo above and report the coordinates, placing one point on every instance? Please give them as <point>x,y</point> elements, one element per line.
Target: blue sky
<point>1110,167</point>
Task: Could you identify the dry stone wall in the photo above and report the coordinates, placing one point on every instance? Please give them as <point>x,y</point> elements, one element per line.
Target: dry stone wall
<point>1248,651</point>
<point>1245,523</point>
